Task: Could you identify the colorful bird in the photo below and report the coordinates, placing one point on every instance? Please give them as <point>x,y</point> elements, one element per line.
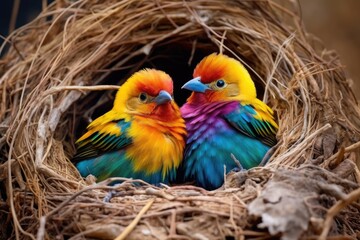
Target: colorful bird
<point>141,137</point>
<point>224,117</point>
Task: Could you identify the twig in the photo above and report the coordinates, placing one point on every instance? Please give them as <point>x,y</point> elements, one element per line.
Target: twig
<point>84,88</point>
<point>173,224</point>
<point>40,139</point>
<point>222,42</point>
<point>159,193</point>
<point>334,210</point>
<point>41,231</point>
<point>55,113</point>
<point>133,224</point>
<point>347,149</point>
<point>340,157</point>
<point>14,14</point>
<point>237,162</point>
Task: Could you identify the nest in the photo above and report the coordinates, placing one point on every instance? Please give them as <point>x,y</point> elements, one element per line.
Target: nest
<point>62,69</point>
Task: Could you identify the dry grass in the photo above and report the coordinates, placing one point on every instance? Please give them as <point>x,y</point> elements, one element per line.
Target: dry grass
<point>45,105</point>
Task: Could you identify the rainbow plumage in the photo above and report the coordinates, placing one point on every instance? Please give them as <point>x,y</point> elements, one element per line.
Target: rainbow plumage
<point>224,117</point>
<point>141,137</point>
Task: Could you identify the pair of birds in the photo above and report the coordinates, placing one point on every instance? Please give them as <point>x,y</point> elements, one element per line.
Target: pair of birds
<point>146,136</point>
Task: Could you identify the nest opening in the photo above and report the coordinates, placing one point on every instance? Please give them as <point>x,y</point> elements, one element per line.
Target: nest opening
<point>175,58</point>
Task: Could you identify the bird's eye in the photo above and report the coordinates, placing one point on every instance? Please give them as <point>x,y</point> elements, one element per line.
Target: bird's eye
<point>220,83</point>
<point>143,97</point>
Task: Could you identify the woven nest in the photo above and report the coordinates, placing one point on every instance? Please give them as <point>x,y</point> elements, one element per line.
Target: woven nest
<point>62,69</point>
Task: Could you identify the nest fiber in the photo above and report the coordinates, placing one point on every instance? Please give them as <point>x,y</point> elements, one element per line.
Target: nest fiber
<point>62,69</point>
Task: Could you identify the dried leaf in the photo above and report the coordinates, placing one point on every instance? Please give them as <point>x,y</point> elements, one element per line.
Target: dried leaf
<point>284,206</point>
<point>282,209</point>
<point>329,143</point>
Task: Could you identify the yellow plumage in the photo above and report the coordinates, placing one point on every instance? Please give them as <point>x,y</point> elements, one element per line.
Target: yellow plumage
<point>142,136</point>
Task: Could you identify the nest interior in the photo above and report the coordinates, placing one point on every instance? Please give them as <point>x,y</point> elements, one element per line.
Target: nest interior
<point>59,72</point>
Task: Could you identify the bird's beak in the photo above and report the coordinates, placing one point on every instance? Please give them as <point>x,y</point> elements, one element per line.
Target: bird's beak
<point>163,97</point>
<point>195,85</point>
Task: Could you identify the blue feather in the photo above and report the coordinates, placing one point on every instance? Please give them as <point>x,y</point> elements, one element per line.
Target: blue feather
<point>218,132</point>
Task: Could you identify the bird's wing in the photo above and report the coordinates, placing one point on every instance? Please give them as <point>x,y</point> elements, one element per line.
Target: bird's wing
<point>106,137</point>
<point>254,119</point>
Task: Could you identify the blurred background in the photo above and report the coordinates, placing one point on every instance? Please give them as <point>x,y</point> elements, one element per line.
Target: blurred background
<point>335,22</point>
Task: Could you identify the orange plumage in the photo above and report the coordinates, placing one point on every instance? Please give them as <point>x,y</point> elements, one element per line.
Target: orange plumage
<point>142,136</point>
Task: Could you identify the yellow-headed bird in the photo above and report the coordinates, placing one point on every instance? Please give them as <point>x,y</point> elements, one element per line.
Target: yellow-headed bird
<point>223,117</point>
<point>141,137</point>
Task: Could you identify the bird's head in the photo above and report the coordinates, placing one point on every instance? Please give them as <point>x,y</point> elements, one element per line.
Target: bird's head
<point>148,93</point>
<point>220,78</point>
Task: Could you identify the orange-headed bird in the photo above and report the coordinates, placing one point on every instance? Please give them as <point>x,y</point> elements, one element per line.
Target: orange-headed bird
<point>224,117</point>
<point>141,137</point>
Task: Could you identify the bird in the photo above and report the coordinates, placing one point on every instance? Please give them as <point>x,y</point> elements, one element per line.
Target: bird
<point>141,137</point>
<point>225,122</point>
